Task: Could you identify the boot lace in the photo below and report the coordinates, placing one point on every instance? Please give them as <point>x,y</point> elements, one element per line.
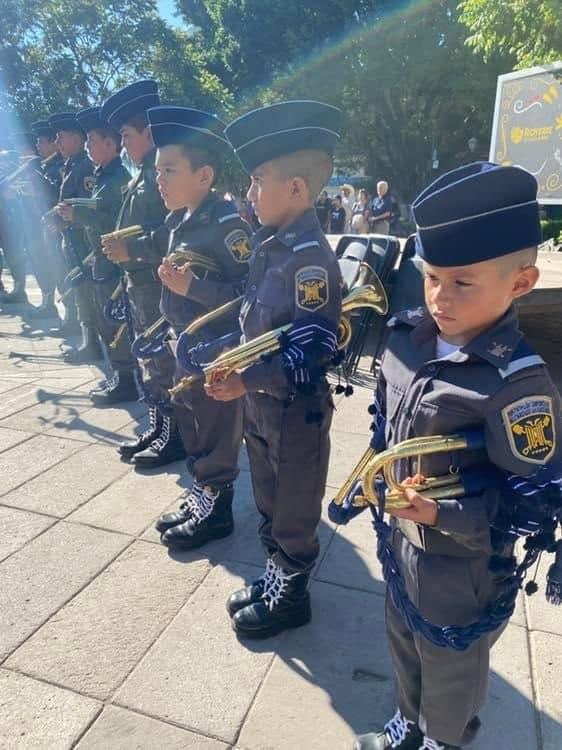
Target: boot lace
<point>164,437</point>
<point>203,504</point>
<point>152,424</point>
<point>191,496</point>
<point>397,729</point>
<point>429,744</point>
<point>275,582</point>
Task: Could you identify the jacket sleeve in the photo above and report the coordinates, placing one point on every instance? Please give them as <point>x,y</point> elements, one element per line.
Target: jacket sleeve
<point>151,246</point>
<point>313,286</point>
<point>231,251</point>
<point>521,432</point>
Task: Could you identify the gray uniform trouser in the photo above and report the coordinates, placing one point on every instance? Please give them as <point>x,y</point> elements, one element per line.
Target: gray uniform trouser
<point>120,357</point>
<point>212,434</point>
<point>438,688</point>
<point>157,373</point>
<point>289,447</point>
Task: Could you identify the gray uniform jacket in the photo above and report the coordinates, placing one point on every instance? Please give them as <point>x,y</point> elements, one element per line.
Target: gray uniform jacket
<point>293,274</point>
<point>495,382</point>
<point>77,182</point>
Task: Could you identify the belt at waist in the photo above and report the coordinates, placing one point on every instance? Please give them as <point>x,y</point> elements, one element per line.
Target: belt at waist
<point>142,277</point>
<point>435,542</point>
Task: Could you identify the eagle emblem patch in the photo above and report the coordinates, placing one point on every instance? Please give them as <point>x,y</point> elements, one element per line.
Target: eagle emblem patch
<point>529,424</point>
<point>238,245</point>
<point>89,183</point>
<point>311,288</point>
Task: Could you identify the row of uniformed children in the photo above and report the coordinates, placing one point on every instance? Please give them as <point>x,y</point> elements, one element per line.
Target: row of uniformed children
<point>459,363</point>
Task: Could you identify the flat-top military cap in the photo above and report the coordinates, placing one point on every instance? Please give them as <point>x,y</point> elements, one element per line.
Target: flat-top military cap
<point>192,127</point>
<point>475,213</point>
<point>90,119</point>
<point>43,128</point>
<point>65,121</point>
<point>130,101</point>
<point>280,129</point>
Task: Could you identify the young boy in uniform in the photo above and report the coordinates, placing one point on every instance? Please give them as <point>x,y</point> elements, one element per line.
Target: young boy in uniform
<point>103,145</point>
<point>461,364</point>
<point>126,112</point>
<point>294,278</point>
<point>191,150</point>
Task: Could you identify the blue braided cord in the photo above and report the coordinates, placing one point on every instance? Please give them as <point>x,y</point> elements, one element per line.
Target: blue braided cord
<point>459,637</point>
<point>192,358</point>
<point>295,343</point>
<point>150,348</point>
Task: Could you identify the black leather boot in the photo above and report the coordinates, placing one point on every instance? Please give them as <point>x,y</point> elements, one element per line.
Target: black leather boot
<point>17,296</point>
<point>185,511</point>
<point>89,350</point>
<point>47,307</point>
<point>130,447</point>
<point>284,604</point>
<point>210,518</point>
<point>121,387</point>
<point>399,733</point>
<point>249,594</point>
<point>164,449</point>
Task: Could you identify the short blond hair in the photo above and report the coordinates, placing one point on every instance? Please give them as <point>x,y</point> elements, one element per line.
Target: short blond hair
<point>313,167</point>
<point>517,261</point>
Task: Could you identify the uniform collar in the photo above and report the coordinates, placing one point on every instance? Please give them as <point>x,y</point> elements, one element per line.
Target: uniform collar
<point>76,159</point>
<point>148,161</point>
<point>202,214</point>
<point>496,345</point>
<point>303,224</point>
<point>109,168</point>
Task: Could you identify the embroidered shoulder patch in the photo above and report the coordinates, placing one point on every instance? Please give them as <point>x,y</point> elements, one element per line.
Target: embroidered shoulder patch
<point>311,287</point>
<point>529,424</point>
<point>89,183</point>
<point>238,245</point>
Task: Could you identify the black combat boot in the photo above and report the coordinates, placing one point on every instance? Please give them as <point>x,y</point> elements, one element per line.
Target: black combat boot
<point>399,733</point>
<point>17,296</point>
<point>47,307</point>
<point>130,447</point>
<point>89,350</point>
<point>121,387</point>
<point>210,518</point>
<point>189,499</point>
<point>284,604</point>
<point>164,449</point>
<point>249,594</point>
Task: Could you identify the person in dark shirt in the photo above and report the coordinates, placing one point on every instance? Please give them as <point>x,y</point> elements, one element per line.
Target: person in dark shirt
<point>337,216</point>
<point>323,209</point>
<point>381,209</point>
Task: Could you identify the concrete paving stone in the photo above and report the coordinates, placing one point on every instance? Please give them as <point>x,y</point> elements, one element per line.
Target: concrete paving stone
<point>36,716</point>
<point>508,718</point>
<point>31,458</point>
<point>351,558</point>
<point>95,424</point>
<point>351,413</point>
<point>118,729</point>
<point>92,643</point>
<point>42,576</point>
<point>9,384</point>
<point>330,679</point>
<point>542,615</point>
<point>347,449</point>
<point>198,674</point>
<point>17,399</point>
<point>47,412</point>
<point>130,504</point>
<point>18,527</point>
<point>546,649</point>
<point>66,486</point>
<point>9,438</point>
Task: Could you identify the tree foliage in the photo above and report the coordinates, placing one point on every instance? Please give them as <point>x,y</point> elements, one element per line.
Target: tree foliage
<point>529,30</point>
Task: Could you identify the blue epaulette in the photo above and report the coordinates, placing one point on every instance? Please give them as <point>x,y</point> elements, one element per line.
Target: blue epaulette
<point>307,240</point>
<point>523,357</point>
<point>223,211</point>
<point>407,317</point>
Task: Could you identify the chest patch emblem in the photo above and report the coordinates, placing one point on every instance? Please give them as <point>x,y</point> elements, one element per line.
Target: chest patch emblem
<point>89,183</point>
<point>238,245</point>
<point>311,288</point>
<point>529,424</point>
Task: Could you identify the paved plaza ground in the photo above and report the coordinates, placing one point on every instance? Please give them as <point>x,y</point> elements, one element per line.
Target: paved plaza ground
<point>108,641</point>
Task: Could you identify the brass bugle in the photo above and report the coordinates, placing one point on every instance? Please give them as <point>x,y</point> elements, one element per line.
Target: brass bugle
<point>373,466</point>
<point>209,317</point>
<point>123,234</point>
<point>118,336</point>
<point>75,272</point>
<point>246,354</point>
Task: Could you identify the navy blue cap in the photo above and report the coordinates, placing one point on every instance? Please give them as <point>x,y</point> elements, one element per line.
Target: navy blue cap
<point>192,127</point>
<point>64,121</point>
<point>43,127</point>
<point>280,129</point>
<point>129,101</point>
<point>477,212</point>
<point>90,119</point>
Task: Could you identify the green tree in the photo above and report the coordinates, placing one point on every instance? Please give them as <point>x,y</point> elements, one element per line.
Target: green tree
<point>529,30</point>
